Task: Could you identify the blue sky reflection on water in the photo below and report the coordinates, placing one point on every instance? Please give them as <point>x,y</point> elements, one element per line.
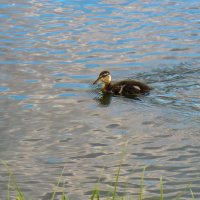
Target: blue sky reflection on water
<point>51,51</point>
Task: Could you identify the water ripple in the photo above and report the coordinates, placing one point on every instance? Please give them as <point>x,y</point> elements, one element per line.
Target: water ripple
<point>51,115</point>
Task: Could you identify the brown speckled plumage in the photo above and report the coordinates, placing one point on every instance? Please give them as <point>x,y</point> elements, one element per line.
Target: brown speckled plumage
<point>124,88</point>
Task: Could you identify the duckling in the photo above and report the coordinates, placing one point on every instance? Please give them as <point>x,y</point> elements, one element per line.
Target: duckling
<point>124,88</point>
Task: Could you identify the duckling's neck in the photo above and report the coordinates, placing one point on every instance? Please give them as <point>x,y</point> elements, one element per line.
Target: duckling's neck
<point>107,87</point>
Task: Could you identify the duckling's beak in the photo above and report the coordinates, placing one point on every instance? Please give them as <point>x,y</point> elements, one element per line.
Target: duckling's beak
<point>97,80</point>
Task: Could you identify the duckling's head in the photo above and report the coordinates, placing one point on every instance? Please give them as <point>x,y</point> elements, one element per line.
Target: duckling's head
<point>104,77</point>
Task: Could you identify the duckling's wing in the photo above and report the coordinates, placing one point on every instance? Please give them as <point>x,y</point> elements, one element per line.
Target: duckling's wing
<point>131,87</point>
<point>117,88</point>
<point>143,87</point>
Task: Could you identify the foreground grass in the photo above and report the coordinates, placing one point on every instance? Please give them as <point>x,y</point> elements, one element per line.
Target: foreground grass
<point>19,195</point>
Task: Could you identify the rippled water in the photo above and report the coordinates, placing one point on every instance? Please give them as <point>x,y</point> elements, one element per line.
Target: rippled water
<point>50,115</point>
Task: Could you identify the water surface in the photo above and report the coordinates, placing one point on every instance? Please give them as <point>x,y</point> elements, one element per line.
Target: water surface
<point>51,116</point>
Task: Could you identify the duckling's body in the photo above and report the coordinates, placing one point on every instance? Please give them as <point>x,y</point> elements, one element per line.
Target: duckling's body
<point>124,88</point>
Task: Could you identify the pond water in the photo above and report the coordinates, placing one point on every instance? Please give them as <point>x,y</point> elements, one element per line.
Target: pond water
<point>52,117</point>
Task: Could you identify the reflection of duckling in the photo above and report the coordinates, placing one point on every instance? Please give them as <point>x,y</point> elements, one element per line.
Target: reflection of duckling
<point>104,99</point>
<point>124,88</point>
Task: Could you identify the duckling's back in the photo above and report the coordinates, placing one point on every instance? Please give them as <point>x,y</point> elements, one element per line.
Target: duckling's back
<point>130,87</point>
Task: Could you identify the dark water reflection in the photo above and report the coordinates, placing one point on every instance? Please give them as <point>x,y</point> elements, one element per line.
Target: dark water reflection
<point>51,116</point>
<point>104,99</point>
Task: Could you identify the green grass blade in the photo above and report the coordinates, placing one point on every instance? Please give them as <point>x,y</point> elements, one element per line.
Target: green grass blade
<point>118,171</point>
<point>183,192</point>
<point>8,192</point>
<point>20,195</point>
<point>192,194</point>
<point>96,194</point>
<point>96,191</point>
<point>64,196</point>
<point>58,182</point>
<point>141,184</point>
<point>161,189</point>
<point>116,182</point>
